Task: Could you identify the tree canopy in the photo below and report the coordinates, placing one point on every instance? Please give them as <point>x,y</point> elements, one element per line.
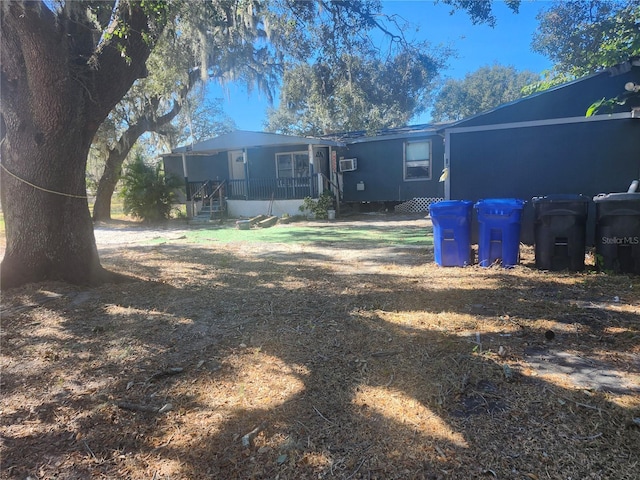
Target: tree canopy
<point>354,93</point>
<point>581,37</point>
<point>479,91</point>
<point>480,11</point>
<point>366,88</point>
<point>181,59</point>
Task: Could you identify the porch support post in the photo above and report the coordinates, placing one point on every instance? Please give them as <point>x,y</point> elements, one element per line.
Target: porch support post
<point>185,171</point>
<point>333,176</point>
<point>312,170</point>
<point>245,163</point>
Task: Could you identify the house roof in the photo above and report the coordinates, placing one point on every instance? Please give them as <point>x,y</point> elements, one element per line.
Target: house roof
<point>361,136</point>
<point>239,139</point>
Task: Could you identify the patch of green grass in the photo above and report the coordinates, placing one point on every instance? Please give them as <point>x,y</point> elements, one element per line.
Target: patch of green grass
<point>331,234</point>
<point>361,237</point>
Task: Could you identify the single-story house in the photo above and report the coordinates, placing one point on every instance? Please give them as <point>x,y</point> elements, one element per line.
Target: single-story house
<point>249,173</point>
<point>539,145</point>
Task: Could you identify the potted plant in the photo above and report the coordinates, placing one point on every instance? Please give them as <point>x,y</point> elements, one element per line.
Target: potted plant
<point>319,208</point>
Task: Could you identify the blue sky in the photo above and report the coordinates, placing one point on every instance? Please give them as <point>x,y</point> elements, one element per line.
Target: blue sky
<point>508,44</point>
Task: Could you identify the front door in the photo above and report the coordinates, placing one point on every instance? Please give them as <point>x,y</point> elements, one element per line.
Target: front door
<point>236,165</point>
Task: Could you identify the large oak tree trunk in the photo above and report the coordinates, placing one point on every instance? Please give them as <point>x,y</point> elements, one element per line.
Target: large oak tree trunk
<point>48,227</point>
<point>57,87</point>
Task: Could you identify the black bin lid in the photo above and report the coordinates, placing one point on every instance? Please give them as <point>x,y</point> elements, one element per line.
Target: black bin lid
<point>617,197</point>
<point>561,198</point>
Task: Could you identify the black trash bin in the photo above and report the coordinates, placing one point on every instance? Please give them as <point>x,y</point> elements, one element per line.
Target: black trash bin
<point>618,232</point>
<point>560,231</point>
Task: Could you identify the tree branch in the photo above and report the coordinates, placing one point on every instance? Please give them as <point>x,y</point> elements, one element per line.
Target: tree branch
<point>120,59</point>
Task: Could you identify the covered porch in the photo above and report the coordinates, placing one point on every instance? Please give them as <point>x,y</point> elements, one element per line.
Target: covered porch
<point>254,196</point>
<point>242,173</point>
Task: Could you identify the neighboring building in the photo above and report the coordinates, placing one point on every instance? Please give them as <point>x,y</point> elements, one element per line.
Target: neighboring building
<point>544,144</point>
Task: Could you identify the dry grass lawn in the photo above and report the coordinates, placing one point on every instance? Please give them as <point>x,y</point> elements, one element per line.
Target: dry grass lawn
<point>308,361</point>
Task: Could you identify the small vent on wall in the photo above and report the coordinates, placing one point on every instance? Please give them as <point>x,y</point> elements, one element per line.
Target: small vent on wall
<point>348,164</point>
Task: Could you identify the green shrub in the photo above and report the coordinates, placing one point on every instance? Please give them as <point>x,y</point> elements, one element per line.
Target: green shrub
<point>318,207</point>
<point>147,192</point>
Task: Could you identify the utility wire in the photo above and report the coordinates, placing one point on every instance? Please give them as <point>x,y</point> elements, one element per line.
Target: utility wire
<point>41,188</point>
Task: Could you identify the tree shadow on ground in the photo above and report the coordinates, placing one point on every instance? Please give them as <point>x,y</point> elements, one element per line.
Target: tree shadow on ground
<point>295,369</point>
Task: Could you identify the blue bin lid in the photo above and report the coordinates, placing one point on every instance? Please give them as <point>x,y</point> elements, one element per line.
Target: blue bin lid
<point>451,203</point>
<point>514,203</point>
<point>561,198</point>
<point>617,197</point>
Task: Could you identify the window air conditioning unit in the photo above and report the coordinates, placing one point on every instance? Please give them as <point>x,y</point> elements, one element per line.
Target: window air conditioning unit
<point>348,164</point>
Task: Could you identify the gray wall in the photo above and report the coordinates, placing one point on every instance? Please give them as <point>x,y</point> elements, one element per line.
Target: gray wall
<point>571,158</point>
<point>262,161</point>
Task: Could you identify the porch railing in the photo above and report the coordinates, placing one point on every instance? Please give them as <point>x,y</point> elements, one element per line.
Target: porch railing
<point>201,191</point>
<point>272,188</point>
<point>209,194</point>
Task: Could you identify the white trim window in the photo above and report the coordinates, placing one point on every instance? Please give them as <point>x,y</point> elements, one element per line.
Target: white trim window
<point>417,160</point>
<point>292,164</point>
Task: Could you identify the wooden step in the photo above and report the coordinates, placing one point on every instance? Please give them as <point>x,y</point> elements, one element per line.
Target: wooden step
<point>268,222</point>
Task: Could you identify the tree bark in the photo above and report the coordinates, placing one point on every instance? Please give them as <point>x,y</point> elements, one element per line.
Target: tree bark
<point>107,185</point>
<point>57,86</point>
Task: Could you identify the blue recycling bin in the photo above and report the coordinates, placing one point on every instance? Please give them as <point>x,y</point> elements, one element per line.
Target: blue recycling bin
<point>499,231</point>
<point>451,232</point>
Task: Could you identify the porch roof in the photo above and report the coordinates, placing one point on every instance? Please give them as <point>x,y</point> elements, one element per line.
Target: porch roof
<point>240,139</point>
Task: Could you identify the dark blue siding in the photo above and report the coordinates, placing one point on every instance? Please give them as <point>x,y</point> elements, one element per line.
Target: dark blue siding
<point>587,157</point>
<point>380,168</point>
<point>200,167</point>
<point>581,158</point>
<point>173,165</point>
<point>262,162</point>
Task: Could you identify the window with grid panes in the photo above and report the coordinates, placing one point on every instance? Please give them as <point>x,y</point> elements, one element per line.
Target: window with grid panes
<point>417,160</point>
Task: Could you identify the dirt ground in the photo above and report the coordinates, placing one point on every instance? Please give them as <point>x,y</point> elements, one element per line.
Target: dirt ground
<point>312,361</point>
